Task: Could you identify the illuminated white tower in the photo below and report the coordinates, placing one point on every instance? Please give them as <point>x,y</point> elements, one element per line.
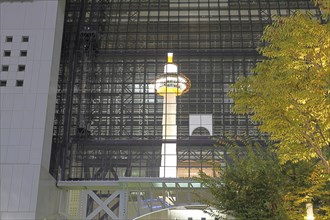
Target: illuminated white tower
<point>170,85</point>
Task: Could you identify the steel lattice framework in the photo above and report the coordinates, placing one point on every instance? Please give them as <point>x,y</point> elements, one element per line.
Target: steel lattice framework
<point>108,122</point>
<point>108,116</point>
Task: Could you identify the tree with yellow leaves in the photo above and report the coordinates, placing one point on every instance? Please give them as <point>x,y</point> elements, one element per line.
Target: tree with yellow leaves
<point>324,5</point>
<point>289,92</point>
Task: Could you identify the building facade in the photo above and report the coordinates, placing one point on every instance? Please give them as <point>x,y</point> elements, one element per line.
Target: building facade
<point>108,121</point>
<point>30,44</point>
<point>106,148</point>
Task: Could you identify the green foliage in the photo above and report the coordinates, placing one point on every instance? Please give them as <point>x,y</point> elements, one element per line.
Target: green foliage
<point>324,5</point>
<point>306,183</point>
<point>250,187</point>
<point>255,185</point>
<point>289,93</point>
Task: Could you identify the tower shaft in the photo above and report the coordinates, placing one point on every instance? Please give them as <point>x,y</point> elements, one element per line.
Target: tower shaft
<point>169,156</point>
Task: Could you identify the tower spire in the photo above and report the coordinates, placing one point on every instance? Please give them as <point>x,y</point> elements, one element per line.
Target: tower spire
<point>169,57</point>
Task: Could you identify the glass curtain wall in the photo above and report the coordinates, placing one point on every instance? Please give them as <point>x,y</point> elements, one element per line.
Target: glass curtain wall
<point>108,121</point>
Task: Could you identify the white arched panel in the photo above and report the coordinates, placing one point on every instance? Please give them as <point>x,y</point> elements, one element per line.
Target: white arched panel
<point>200,120</point>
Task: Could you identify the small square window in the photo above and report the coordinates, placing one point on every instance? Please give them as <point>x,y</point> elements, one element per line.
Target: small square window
<point>23,53</point>
<point>21,68</point>
<point>9,39</point>
<point>5,68</point>
<point>25,39</point>
<point>3,82</point>
<point>19,83</point>
<point>6,53</point>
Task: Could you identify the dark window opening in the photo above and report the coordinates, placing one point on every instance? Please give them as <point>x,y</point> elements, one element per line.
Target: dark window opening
<point>25,39</point>
<point>7,53</point>
<point>19,83</point>
<point>3,82</point>
<point>9,39</point>
<point>5,68</point>
<point>21,68</point>
<point>23,53</point>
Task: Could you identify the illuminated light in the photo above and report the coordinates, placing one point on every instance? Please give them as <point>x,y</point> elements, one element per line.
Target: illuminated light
<point>170,85</point>
<point>170,57</point>
<point>170,68</point>
<point>177,78</point>
<point>309,209</point>
<point>162,91</point>
<point>177,84</point>
<point>151,88</point>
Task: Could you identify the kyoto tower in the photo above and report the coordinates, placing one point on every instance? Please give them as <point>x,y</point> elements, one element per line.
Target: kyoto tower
<point>170,85</point>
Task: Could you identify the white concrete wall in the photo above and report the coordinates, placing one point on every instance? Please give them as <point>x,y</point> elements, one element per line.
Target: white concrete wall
<point>27,112</point>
